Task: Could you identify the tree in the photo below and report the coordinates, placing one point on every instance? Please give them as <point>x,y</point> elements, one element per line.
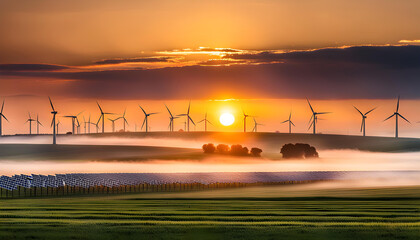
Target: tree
<point>209,148</point>
<point>298,150</point>
<point>223,148</point>
<point>238,150</point>
<point>256,152</point>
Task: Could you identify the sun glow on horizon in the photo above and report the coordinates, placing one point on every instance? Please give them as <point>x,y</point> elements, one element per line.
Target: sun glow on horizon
<point>227,119</point>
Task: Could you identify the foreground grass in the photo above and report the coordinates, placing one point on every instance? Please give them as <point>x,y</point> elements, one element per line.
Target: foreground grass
<point>149,216</point>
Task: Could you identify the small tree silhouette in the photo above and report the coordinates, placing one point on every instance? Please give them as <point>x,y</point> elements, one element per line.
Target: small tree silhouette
<point>298,150</point>
<point>209,148</point>
<point>223,148</point>
<point>256,152</point>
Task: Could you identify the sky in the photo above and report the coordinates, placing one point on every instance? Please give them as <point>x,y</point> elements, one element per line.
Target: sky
<point>259,53</point>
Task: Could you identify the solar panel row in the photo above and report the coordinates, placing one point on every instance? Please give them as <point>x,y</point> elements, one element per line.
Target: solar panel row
<point>120,179</point>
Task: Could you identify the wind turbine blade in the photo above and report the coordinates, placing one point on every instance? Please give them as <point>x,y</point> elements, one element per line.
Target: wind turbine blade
<point>80,113</point>
<point>324,112</point>
<point>191,120</point>
<point>125,120</point>
<point>312,123</point>
<point>180,115</point>
<point>358,110</point>
<point>124,112</point>
<point>361,126</point>
<point>370,110</point>
<point>398,103</point>
<point>2,115</point>
<point>210,122</point>
<point>189,105</point>
<point>403,117</point>
<point>168,110</point>
<point>201,121</point>
<point>153,113</point>
<point>143,110</point>
<point>99,107</point>
<point>310,105</point>
<point>292,124</point>
<point>99,119</point>
<point>40,123</point>
<point>52,106</point>
<point>290,115</point>
<point>144,121</point>
<point>389,117</point>
<point>52,122</point>
<point>310,120</point>
<point>285,121</point>
<point>2,106</point>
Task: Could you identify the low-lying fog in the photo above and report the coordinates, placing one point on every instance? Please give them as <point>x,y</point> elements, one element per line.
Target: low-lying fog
<point>330,160</point>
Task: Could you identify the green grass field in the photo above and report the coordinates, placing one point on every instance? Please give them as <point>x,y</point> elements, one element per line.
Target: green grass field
<point>388,213</point>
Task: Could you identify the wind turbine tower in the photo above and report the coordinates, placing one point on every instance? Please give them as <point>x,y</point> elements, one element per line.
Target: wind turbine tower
<point>2,116</point>
<point>397,114</point>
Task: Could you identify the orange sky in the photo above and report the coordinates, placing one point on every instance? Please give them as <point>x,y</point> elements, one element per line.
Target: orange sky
<point>276,53</point>
<point>270,112</point>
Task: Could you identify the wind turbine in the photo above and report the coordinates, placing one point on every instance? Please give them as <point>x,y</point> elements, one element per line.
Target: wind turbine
<point>397,114</point>
<point>73,121</point>
<point>188,117</point>
<point>171,119</point>
<point>113,123</point>
<point>205,122</point>
<point>30,120</point>
<point>364,116</point>
<point>37,124</point>
<point>146,117</point>
<point>2,116</point>
<point>123,118</point>
<point>256,124</point>
<point>58,123</point>
<point>245,116</point>
<point>78,126</point>
<point>314,117</point>
<point>103,117</point>
<point>290,122</point>
<point>89,123</point>
<point>84,123</point>
<point>54,113</point>
<point>97,127</point>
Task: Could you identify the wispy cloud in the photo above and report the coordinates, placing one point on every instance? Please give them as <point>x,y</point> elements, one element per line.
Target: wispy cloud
<point>136,60</point>
<point>410,41</point>
<point>32,67</point>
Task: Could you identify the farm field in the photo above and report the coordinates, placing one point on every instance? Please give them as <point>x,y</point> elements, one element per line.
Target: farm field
<point>288,212</point>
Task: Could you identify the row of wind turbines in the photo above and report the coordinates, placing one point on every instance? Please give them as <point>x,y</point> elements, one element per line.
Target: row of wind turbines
<point>76,124</point>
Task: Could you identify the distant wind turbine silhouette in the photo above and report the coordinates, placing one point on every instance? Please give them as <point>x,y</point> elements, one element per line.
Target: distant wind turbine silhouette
<point>2,116</point>
<point>146,118</point>
<point>205,122</point>
<point>314,117</point>
<point>123,118</point>
<point>37,124</point>
<point>53,125</point>
<point>102,116</point>
<point>256,125</point>
<point>30,120</point>
<point>113,123</point>
<point>58,124</point>
<point>188,117</point>
<point>397,114</point>
<point>290,122</point>
<point>245,116</point>
<point>364,116</point>
<point>171,119</point>
<point>73,122</point>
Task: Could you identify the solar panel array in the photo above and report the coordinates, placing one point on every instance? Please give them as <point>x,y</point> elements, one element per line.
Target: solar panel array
<point>120,179</point>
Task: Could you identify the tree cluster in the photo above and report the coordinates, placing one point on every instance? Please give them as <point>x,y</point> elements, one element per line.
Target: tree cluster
<point>298,150</point>
<point>236,150</point>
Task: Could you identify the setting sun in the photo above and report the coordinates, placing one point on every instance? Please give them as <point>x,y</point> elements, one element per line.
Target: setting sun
<point>226,119</point>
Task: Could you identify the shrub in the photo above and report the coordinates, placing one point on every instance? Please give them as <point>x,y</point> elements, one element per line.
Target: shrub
<point>256,152</point>
<point>223,148</point>
<point>298,150</point>
<point>209,148</point>
<point>238,150</point>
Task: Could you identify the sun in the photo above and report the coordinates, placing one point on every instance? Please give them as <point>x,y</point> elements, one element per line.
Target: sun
<point>227,119</point>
